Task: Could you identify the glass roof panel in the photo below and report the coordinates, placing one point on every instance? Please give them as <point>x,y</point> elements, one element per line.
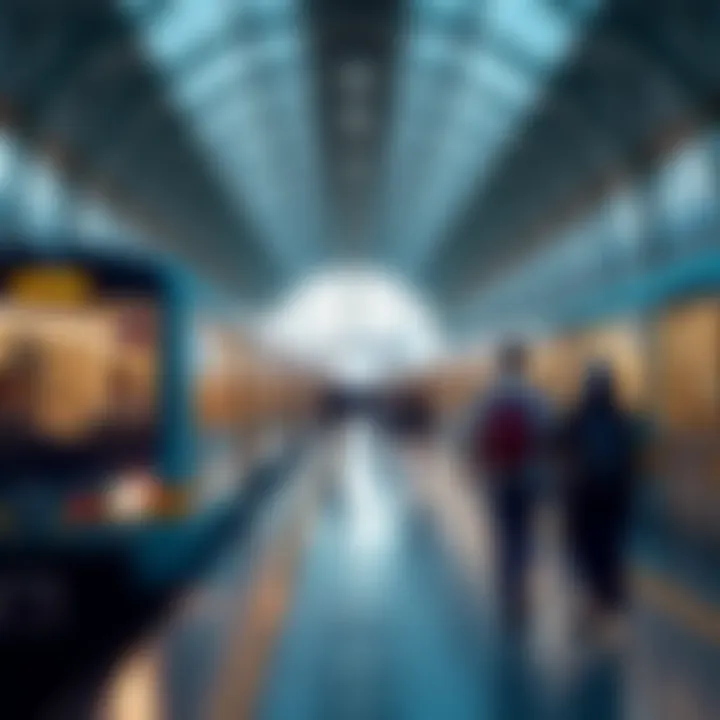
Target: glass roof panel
<point>177,29</point>
<point>574,254</point>
<point>626,219</point>
<point>445,5</point>
<point>237,69</point>
<point>213,75</point>
<point>499,74</point>
<point>687,183</point>
<point>534,25</point>
<point>431,49</point>
<point>94,220</point>
<point>503,66</point>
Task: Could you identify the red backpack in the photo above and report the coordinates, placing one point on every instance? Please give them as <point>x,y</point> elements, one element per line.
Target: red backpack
<point>507,436</point>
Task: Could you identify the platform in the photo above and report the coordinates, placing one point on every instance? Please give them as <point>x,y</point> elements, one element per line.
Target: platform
<point>367,593</point>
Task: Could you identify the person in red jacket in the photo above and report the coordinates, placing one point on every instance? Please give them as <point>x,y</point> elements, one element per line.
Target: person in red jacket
<point>509,428</point>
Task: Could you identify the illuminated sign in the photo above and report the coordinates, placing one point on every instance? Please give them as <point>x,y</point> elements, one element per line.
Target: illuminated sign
<point>50,286</point>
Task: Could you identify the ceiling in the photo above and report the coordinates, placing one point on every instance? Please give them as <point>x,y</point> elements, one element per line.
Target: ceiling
<point>441,138</point>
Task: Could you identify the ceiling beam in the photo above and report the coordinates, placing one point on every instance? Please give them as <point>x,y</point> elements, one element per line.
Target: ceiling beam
<point>88,61</point>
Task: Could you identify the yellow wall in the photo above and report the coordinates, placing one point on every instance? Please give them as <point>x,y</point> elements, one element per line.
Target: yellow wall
<point>687,353</point>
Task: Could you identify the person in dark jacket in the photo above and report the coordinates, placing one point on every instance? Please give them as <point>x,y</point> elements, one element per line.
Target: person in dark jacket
<point>600,452</point>
<point>413,416</point>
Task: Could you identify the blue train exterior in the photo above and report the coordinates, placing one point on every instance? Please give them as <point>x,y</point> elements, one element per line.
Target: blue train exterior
<point>157,548</point>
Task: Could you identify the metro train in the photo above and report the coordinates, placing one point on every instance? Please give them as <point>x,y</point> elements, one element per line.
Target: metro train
<point>660,331</point>
<point>131,414</point>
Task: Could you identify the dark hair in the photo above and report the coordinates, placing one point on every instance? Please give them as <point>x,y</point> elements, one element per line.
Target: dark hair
<point>599,383</point>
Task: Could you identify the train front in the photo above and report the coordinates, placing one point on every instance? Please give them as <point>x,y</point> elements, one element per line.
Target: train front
<point>81,436</point>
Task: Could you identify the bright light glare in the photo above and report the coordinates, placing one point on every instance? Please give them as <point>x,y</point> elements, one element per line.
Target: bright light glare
<point>359,325</point>
<point>130,497</point>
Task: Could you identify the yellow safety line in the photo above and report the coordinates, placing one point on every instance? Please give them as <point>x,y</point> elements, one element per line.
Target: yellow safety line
<point>697,615</point>
<point>257,624</point>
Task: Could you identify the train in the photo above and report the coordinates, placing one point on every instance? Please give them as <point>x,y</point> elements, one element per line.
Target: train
<point>133,412</point>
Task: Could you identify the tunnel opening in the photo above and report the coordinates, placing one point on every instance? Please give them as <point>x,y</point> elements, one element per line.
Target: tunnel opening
<point>360,325</point>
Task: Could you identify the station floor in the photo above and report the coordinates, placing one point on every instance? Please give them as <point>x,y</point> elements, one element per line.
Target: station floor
<point>367,593</point>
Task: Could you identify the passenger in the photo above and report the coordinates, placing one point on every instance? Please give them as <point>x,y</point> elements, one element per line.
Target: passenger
<point>414,419</point>
<point>599,443</point>
<point>332,407</point>
<point>508,432</point>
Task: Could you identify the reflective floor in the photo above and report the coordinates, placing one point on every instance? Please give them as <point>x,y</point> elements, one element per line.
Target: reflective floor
<point>393,618</point>
<point>368,593</point>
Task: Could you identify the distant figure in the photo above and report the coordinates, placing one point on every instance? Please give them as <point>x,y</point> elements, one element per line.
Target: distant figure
<point>333,406</point>
<point>413,417</point>
<point>599,444</point>
<point>508,432</point>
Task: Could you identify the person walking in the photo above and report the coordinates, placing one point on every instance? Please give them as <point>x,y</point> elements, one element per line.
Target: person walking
<point>600,452</point>
<point>509,427</point>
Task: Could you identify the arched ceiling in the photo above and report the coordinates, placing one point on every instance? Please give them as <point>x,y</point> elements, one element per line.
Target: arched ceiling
<point>442,138</point>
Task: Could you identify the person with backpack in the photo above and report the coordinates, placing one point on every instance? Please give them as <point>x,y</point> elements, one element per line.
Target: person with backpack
<point>600,451</point>
<point>509,427</point>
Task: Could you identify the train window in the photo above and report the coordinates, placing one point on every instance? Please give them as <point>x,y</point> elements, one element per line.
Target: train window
<point>78,380</point>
